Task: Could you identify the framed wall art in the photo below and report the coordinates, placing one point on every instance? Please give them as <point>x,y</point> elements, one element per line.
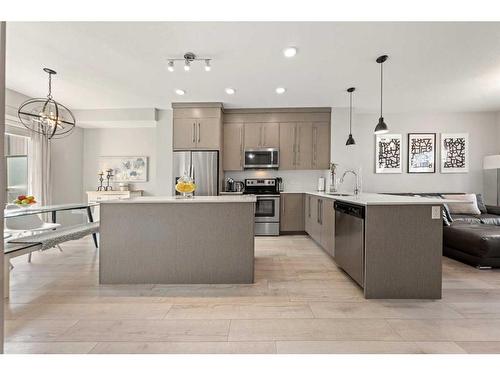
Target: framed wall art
<point>388,153</point>
<point>126,168</point>
<point>421,152</point>
<point>454,152</point>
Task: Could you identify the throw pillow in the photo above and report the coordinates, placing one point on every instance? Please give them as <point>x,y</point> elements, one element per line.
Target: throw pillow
<point>467,206</point>
<point>480,204</point>
<point>447,219</point>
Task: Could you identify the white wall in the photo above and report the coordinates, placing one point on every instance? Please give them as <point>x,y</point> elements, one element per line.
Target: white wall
<point>155,143</point>
<point>483,137</point>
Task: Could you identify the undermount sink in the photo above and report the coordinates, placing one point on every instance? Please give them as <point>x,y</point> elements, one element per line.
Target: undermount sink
<point>339,194</point>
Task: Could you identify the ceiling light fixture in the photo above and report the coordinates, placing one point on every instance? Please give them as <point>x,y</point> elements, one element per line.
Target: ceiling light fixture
<point>290,52</point>
<point>350,140</point>
<point>46,116</point>
<point>381,127</point>
<point>207,66</point>
<point>180,91</point>
<point>171,66</point>
<point>280,90</point>
<point>189,58</point>
<point>230,91</point>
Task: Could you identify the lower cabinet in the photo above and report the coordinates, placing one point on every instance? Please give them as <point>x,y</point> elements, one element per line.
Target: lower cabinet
<point>320,221</point>
<point>292,212</point>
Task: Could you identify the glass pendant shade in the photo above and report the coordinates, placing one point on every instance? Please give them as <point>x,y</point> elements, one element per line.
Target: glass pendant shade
<point>381,127</point>
<point>46,116</point>
<point>350,141</point>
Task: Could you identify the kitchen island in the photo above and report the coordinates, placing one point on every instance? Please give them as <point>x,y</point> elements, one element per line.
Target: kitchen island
<point>167,240</point>
<point>390,245</point>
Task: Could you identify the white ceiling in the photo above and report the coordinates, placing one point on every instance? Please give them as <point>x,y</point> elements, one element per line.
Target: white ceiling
<point>431,66</point>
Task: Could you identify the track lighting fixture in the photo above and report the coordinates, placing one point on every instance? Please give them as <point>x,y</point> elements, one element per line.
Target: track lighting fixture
<point>188,58</point>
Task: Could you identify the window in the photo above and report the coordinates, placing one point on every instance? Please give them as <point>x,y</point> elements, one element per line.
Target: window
<point>16,156</point>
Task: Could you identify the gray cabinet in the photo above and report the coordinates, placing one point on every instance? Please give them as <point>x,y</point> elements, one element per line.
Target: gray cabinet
<point>292,212</point>
<point>262,135</point>
<point>320,221</point>
<point>233,147</point>
<point>321,145</point>
<point>197,126</point>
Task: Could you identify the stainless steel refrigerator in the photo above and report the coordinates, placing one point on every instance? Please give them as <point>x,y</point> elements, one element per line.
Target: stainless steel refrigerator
<point>202,166</point>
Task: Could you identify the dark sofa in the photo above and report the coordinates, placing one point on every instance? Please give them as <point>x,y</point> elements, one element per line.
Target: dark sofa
<point>472,239</point>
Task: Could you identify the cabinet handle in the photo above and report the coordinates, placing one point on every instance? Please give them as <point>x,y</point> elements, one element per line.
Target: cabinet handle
<point>315,143</point>
<point>309,213</point>
<point>294,146</point>
<point>241,147</point>
<point>264,137</point>
<point>199,132</point>
<point>194,132</point>
<point>298,148</point>
<point>260,135</point>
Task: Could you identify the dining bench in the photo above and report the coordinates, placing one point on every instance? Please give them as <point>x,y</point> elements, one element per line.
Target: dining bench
<point>42,241</point>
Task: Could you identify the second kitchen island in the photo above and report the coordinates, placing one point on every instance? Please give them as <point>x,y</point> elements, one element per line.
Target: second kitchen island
<point>166,240</point>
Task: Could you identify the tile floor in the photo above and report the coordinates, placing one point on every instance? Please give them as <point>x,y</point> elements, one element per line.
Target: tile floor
<point>300,303</point>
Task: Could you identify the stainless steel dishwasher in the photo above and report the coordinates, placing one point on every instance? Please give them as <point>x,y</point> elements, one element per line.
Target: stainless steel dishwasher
<point>350,239</point>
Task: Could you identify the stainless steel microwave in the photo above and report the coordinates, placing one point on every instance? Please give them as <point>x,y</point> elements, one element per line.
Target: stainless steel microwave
<point>262,158</point>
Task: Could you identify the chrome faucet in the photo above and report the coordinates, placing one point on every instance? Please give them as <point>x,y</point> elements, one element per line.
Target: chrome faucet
<point>356,186</point>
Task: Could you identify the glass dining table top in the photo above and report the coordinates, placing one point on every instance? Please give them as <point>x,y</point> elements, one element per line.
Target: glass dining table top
<point>23,211</point>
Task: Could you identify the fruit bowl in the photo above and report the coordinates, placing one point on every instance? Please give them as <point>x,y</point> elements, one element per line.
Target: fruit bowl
<point>25,200</point>
<point>185,186</point>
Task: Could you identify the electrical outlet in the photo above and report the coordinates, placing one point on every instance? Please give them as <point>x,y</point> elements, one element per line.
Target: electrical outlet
<point>436,212</point>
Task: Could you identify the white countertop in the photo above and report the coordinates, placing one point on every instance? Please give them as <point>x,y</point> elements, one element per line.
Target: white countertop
<point>175,199</point>
<point>368,199</point>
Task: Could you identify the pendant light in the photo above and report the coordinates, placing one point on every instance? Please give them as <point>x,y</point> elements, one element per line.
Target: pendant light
<point>350,140</point>
<point>46,116</point>
<point>381,127</point>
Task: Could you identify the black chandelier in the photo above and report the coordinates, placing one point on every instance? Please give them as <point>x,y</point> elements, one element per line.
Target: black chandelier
<point>381,127</point>
<point>350,140</point>
<point>46,116</point>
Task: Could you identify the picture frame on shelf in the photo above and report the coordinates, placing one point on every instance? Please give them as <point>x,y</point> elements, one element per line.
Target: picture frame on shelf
<point>421,152</point>
<point>454,152</point>
<point>388,155</point>
<point>125,168</point>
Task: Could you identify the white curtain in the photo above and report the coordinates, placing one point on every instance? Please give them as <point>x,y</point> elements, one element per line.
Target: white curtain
<point>39,167</point>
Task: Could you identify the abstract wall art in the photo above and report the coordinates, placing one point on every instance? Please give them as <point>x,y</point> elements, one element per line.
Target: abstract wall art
<point>388,153</point>
<point>454,152</point>
<point>421,152</point>
<point>126,168</point>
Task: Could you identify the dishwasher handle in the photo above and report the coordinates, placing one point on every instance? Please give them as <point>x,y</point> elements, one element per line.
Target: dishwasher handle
<point>350,209</point>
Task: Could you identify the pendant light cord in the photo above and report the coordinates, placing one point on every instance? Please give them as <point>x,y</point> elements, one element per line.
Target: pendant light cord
<point>350,112</point>
<point>381,86</point>
<point>50,86</point>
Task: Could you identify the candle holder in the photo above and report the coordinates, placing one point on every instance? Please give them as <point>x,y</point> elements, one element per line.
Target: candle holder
<point>101,180</point>
<point>108,178</point>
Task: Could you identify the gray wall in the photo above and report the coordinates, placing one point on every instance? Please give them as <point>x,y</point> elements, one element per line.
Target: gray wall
<point>482,127</point>
<point>2,172</point>
<point>154,142</point>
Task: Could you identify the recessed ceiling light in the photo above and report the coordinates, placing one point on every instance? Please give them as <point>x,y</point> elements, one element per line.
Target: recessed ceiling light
<point>280,90</point>
<point>187,66</point>
<point>230,91</point>
<point>290,52</point>
<point>180,91</point>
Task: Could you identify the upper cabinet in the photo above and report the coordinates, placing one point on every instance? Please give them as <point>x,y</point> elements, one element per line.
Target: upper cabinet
<point>301,134</point>
<point>233,147</point>
<point>262,135</point>
<point>321,145</point>
<point>197,126</point>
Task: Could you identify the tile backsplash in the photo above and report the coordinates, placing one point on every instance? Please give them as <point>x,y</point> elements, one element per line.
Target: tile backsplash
<point>303,180</point>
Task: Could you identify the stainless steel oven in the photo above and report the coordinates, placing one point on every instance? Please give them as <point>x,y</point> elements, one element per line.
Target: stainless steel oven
<point>267,207</point>
<point>261,158</point>
<point>267,215</point>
